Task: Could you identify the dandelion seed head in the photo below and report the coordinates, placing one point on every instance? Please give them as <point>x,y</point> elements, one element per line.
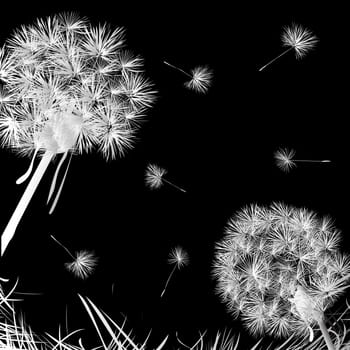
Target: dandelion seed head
<point>179,257</point>
<point>83,265</point>
<point>63,65</point>
<point>154,176</point>
<point>290,262</point>
<point>301,39</point>
<point>284,159</point>
<point>201,79</point>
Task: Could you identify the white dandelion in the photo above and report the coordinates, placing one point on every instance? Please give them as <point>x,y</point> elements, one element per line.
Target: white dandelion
<point>66,88</point>
<point>200,78</point>
<point>179,258</point>
<point>155,177</point>
<point>285,289</point>
<point>298,38</point>
<point>284,159</point>
<point>83,264</point>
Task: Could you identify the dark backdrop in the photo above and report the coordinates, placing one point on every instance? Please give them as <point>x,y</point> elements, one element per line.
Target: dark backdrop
<point>218,146</point>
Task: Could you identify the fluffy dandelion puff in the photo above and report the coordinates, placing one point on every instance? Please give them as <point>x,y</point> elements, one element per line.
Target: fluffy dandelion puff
<point>83,264</point>
<point>296,38</point>
<point>279,269</point>
<point>285,159</point>
<point>179,258</point>
<point>300,39</point>
<point>200,78</point>
<point>67,87</point>
<point>154,178</point>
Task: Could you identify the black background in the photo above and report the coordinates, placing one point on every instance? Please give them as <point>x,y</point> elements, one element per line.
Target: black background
<point>218,146</point>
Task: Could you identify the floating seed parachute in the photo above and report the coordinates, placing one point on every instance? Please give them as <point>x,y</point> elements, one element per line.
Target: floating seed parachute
<point>297,38</point>
<point>67,87</point>
<point>285,159</point>
<point>279,268</point>
<point>155,177</point>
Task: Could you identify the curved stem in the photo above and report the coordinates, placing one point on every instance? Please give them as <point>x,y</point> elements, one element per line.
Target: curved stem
<point>25,176</point>
<point>177,68</point>
<point>54,180</point>
<point>325,334</point>
<point>175,186</point>
<point>167,282</point>
<point>24,201</point>
<point>182,343</point>
<point>58,194</point>
<point>61,245</point>
<point>267,64</point>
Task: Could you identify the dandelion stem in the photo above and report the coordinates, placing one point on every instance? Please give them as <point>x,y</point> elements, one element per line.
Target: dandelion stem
<point>24,201</point>
<point>311,161</point>
<point>175,186</point>
<point>325,334</point>
<point>177,68</point>
<point>53,206</point>
<point>66,315</point>
<point>54,180</point>
<point>167,282</point>
<point>21,293</point>
<point>65,248</point>
<point>283,53</point>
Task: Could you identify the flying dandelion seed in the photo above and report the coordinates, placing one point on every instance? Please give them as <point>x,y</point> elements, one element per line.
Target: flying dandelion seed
<point>200,78</point>
<point>155,178</point>
<point>284,159</point>
<point>298,38</point>
<point>277,268</point>
<point>83,264</point>
<point>67,87</point>
<point>179,258</point>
